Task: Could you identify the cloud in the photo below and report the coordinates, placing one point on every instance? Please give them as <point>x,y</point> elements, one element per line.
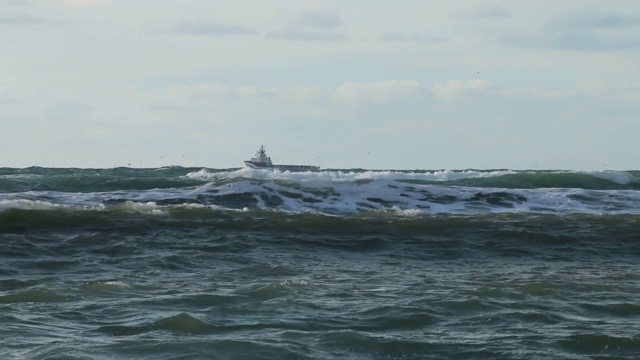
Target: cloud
<point>585,89</point>
<point>211,28</point>
<point>536,93</point>
<point>318,25</point>
<point>377,92</point>
<point>458,88</point>
<point>305,35</point>
<point>82,3</point>
<point>486,11</point>
<point>581,41</point>
<point>301,93</point>
<point>181,95</point>
<point>217,94</point>
<point>20,19</point>
<point>592,19</point>
<point>252,91</point>
<point>582,30</point>
<point>292,94</point>
<point>398,37</point>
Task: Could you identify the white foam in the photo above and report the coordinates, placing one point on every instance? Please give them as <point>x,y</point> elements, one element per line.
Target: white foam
<point>200,175</point>
<point>408,212</point>
<point>145,208</point>
<point>326,178</point>
<point>23,204</point>
<point>294,282</point>
<point>21,176</point>
<point>384,195</point>
<point>116,283</point>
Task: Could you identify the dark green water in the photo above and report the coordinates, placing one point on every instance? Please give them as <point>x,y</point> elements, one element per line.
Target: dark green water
<point>180,263</point>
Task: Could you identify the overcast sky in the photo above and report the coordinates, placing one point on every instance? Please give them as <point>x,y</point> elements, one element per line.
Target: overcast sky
<point>401,84</point>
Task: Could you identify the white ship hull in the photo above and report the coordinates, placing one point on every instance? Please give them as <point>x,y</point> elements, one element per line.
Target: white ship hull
<point>261,161</point>
<point>259,165</point>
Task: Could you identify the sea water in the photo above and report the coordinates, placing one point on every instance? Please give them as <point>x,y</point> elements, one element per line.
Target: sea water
<point>193,263</point>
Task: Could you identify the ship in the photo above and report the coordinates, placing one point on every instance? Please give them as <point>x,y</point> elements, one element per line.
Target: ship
<point>261,161</point>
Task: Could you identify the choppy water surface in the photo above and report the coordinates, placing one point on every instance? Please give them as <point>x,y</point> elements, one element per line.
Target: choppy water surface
<point>186,263</point>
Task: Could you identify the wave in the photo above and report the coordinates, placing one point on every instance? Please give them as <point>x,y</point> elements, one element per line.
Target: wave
<point>181,323</point>
<point>170,191</point>
<point>597,180</point>
<point>339,200</point>
<point>108,180</point>
<point>92,180</point>
<point>488,178</point>
<point>31,296</point>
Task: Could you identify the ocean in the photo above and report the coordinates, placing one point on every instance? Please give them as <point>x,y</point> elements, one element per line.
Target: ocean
<point>198,263</point>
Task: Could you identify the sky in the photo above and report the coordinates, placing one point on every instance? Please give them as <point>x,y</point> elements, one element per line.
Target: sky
<point>403,84</point>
